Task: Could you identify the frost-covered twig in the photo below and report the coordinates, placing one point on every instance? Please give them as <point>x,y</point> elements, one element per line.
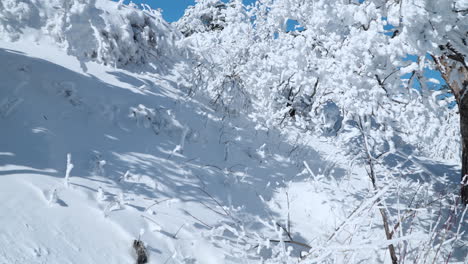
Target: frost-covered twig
<point>308,169</point>
<point>68,170</point>
<point>372,176</point>
<point>53,197</point>
<point>180,148</point>
<point>114,205</point>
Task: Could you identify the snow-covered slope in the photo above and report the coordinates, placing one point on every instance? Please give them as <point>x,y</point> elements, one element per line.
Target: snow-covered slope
<point>124,133</point>
<point>145,157</point>
<point>93,156</point>
<point>150,162</point>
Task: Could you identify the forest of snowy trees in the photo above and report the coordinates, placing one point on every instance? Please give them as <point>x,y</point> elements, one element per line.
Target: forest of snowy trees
<point>382,81</point>
<point>341,69</point>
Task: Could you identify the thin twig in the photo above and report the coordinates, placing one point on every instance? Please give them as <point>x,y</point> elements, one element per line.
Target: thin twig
<point>285,230</point>
<point>178,230</point>
<point>194,217</point>
<point>157,202</point>
<point>291,242</point>
<point>211,209</point>
<point>372,176</point>
<point>216,201</point>
<point>150,219</point>
<point>289,217</point>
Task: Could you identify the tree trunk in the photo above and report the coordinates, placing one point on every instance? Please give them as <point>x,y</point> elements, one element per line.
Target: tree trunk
<point>453,64</point>
<point>463,109</point>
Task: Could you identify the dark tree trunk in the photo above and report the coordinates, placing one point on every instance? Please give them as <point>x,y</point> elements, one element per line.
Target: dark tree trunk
<point>453,62</point>
<point>463,109</point>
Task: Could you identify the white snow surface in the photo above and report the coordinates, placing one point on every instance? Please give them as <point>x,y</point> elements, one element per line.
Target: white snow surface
<point>95,123</point>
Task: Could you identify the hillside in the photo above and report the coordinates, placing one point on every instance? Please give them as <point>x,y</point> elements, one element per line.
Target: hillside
<point>107,135</point>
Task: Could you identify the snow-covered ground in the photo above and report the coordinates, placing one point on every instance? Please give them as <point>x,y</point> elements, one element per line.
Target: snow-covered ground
<point>147,161</point>
<point>150,161</point>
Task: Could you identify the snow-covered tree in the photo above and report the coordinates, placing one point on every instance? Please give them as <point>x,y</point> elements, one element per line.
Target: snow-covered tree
<point>342,63</point>
<point>211,27</point>
<point>84,29</point>
<point>206,15</point>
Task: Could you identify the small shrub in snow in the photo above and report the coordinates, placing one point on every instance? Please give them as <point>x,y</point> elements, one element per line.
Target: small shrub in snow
<point>112,206</point>
<point>101,196</point>
<point>145,117</point>
<point>53,197</point>
<point>140,250</point>
<point>122,199</point>
<point>97,165</point>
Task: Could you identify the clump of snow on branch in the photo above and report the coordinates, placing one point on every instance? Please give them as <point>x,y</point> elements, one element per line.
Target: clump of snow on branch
<point>103,31</point>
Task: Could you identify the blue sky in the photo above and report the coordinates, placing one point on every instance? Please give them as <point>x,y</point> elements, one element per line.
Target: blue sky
<point>172,9</point>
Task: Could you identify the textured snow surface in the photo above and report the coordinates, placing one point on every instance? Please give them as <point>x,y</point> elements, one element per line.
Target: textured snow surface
<point>70,231</point>
<point>64,110</point>
<point>132,171</point>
